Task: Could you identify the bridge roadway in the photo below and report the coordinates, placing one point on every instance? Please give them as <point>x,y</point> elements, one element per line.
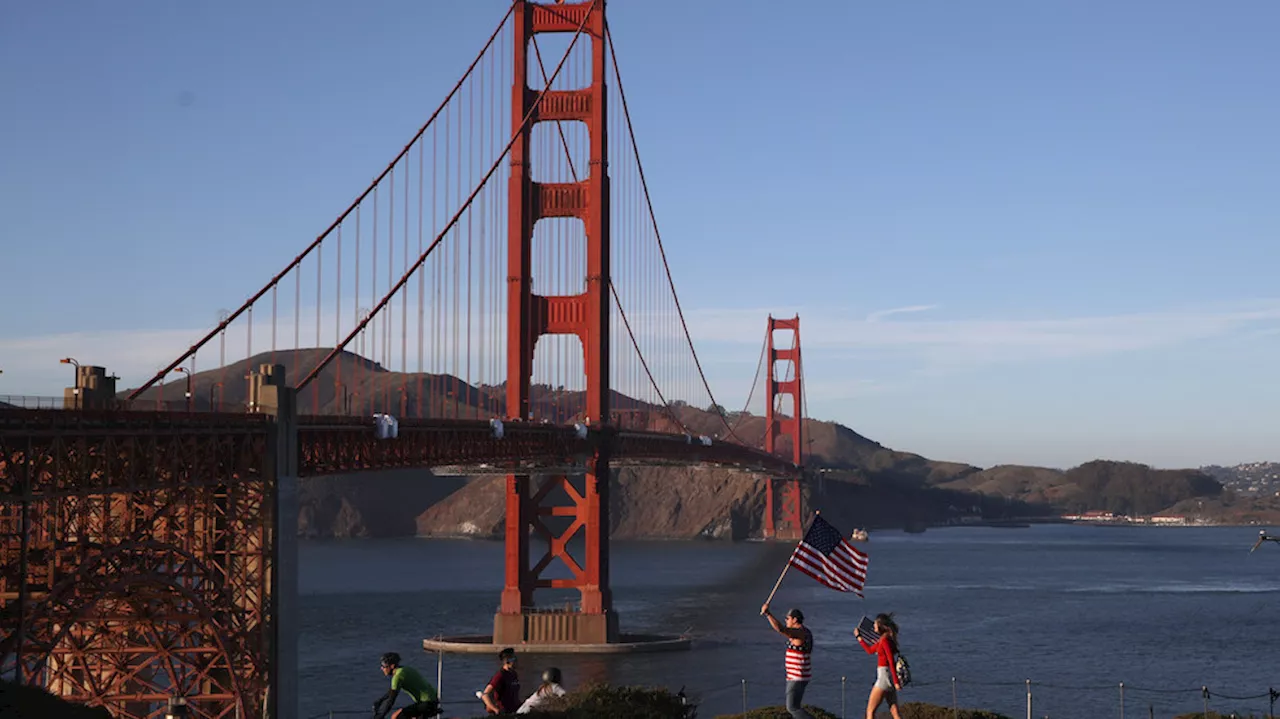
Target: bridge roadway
<point>336,444</point>
<point>332,445</point>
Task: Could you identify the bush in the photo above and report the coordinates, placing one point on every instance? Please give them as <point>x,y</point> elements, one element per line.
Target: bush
<point>1216,715</point>
<point>602,701</point>
<point>920,710</point>
<point>21,701</point>
<point>910,710</point>
<point>779,713</point>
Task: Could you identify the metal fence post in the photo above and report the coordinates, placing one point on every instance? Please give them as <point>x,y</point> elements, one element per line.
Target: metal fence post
<point>842,683</point>
<point>1204,691</point>
<point>744,696</point>
<point>955,703</point>
<point>1028,699</point>
<point>440,682</point>
<point>1121,700</point>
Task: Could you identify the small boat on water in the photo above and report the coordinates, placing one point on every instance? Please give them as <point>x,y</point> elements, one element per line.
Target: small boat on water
<point>859,535</point>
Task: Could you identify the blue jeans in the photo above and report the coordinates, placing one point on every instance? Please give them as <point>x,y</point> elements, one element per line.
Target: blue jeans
<point>795,700</point>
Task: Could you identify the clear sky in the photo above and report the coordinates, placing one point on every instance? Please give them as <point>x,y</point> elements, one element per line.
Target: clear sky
<point>1015,232</point>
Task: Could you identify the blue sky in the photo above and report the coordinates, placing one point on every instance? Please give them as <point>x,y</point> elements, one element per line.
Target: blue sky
<point>1075,200</point>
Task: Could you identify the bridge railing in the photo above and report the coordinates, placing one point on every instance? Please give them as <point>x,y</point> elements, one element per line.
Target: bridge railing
<point>14,401</point>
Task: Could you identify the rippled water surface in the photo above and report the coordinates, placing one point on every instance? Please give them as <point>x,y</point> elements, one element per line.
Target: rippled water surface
<point>1066,606</point>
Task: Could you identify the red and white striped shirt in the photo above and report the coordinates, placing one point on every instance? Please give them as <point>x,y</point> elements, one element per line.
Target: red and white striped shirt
<point>797,658</point>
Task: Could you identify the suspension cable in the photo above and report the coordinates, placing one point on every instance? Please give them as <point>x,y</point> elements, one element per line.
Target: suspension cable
<point>336,223</point>
<point>404,279</point>
<point>617,300</point>
<point>654,219</point>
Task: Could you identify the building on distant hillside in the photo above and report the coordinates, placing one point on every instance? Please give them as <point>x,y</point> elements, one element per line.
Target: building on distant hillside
<point>1094,516</point>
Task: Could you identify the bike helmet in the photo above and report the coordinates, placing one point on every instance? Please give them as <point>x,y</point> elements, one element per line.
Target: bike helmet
<point>390,659</point>
<point>551,675</point>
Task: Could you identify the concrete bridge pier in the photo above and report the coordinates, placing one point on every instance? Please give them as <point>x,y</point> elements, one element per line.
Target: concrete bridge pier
<point>270,395</point>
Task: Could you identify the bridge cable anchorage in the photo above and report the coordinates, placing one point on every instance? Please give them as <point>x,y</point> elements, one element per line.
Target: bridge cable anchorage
<point>404,279</point>
<point>661,249</point>
<point>272,284</point>
<point>573,171</point>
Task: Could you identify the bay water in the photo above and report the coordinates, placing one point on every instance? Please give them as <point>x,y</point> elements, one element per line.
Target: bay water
<point>1077,610</point>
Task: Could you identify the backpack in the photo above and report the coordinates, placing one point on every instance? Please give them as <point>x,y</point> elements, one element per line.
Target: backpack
<point>903,670</point>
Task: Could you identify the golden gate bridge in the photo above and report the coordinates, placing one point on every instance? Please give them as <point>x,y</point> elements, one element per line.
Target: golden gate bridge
<point>497,300</point>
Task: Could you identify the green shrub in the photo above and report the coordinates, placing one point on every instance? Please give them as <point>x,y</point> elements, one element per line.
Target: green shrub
<point>1216,715</point>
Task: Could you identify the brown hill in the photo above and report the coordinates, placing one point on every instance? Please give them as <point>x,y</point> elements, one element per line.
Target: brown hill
<point>1121,487</point>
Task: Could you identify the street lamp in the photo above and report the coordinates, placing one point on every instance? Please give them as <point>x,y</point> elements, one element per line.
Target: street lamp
<point>215,407</point>
<point>187,372</point>
<point>75,391</point>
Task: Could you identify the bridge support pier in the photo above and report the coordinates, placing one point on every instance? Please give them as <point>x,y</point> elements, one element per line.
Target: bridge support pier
<point>94,389</point>
<point>519,621</point>
<point>269,394</point>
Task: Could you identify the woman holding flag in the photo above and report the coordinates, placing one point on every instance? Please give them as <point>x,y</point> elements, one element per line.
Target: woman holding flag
<point>886,650</point>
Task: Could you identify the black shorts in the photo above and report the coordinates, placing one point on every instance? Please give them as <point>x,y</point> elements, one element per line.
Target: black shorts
<point>421,710</point>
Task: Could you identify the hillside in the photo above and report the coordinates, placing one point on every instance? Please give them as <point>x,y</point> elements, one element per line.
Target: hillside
<point>1258,478</point>
<point>861,482</point>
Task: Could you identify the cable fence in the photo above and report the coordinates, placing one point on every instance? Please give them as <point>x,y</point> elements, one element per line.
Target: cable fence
<point>1130,701</point>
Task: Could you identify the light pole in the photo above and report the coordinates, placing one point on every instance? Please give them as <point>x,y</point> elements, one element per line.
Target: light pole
<point>187,372</point>
<point>75,390</point>
<point>177,708</point>
<point>215,407</point>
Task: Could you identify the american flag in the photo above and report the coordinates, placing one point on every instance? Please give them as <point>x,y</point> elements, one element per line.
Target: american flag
<point>829,558</point>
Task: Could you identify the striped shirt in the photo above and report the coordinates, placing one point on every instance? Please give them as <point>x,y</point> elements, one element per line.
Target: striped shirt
<point>797,658</point>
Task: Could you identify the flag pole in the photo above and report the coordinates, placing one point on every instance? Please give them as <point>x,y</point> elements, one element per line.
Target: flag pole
<point>785,568</point>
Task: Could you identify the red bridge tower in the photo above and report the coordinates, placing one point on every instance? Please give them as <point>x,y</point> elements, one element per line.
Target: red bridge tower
<point>784,522</point>
<point>586,315</point>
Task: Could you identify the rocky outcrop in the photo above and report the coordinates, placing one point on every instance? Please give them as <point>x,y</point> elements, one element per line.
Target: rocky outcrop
<point>652,503</point>
<point>369,504</point>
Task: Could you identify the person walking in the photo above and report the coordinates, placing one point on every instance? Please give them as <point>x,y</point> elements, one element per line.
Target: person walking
<point>886,650</point>
<point>796,658</point>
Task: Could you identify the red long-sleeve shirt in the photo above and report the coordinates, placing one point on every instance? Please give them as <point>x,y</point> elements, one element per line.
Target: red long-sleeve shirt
<point>884,655</point>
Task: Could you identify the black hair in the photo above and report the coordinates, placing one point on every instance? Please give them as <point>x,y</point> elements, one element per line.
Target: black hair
<point>390,659</point>
<point>506,655</point>
<point>796,614</point>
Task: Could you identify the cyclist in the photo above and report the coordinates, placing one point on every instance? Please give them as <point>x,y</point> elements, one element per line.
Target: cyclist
<point>425,701</point>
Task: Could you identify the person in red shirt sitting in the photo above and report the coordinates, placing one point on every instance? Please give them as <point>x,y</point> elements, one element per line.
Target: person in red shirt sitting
<point>886,651</point>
